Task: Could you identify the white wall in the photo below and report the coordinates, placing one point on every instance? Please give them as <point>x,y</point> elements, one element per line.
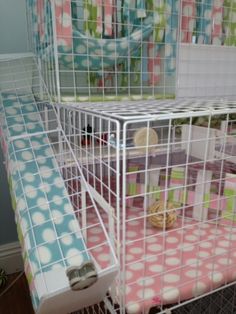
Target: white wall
<point>13,26</point>
<point>206,71</point>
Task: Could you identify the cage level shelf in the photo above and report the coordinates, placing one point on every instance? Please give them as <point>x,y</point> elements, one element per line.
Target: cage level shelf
<point>48,224</point>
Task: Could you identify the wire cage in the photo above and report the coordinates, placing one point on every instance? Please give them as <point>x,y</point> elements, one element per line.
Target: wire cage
<point>150,183</point>
<point>153,188</point>
<point>167,175</point>
<point>122,50</point>
<point>50,198</point>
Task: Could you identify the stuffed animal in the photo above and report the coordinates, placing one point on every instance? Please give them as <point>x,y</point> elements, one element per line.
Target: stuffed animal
<point>162,218</point>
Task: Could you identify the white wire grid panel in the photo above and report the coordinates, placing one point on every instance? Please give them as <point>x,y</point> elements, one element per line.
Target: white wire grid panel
<point>194,150</point>
<point>51,198</point>
<point>159,110</point>
<point>129,50</point>
<point>189,173</point>
<point>120,49</point>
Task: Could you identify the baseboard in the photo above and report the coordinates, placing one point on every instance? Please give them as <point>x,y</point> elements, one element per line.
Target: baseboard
<point>10,257</point>
<point>13,56</point>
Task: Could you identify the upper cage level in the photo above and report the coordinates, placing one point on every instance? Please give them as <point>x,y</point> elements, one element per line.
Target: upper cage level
<point>130,49</point>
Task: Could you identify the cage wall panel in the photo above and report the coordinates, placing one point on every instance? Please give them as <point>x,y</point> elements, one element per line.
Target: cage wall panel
<point>172,196</point>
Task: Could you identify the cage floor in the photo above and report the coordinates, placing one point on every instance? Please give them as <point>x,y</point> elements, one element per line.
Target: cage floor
<point>169,267</point>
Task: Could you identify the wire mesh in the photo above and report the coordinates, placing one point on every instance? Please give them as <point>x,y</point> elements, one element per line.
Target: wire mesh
<point>183,163</point>
<point>119,50</point>
<point>129,50</point>
<point>161,172</point>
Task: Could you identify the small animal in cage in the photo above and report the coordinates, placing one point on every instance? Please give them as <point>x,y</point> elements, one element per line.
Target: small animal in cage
<point>162,215</point>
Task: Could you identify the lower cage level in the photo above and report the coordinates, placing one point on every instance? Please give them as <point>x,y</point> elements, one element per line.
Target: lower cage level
<point>166,268</point>
<point>204,261</point>
<point>220,302</point>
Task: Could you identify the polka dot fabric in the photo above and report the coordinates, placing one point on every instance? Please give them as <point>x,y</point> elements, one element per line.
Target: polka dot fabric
<point>230,22</point>
<point>217,17</point>
<point>63,21</point>
<point>172,9</point>
<point>102,53</point>
<point>188,20</point>
<point>47,226</point>
<point>84,49</point>
<point>204,22</point>
<point>171,267</point>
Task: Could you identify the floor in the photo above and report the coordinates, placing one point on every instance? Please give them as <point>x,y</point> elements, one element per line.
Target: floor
<point>17,299</point>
